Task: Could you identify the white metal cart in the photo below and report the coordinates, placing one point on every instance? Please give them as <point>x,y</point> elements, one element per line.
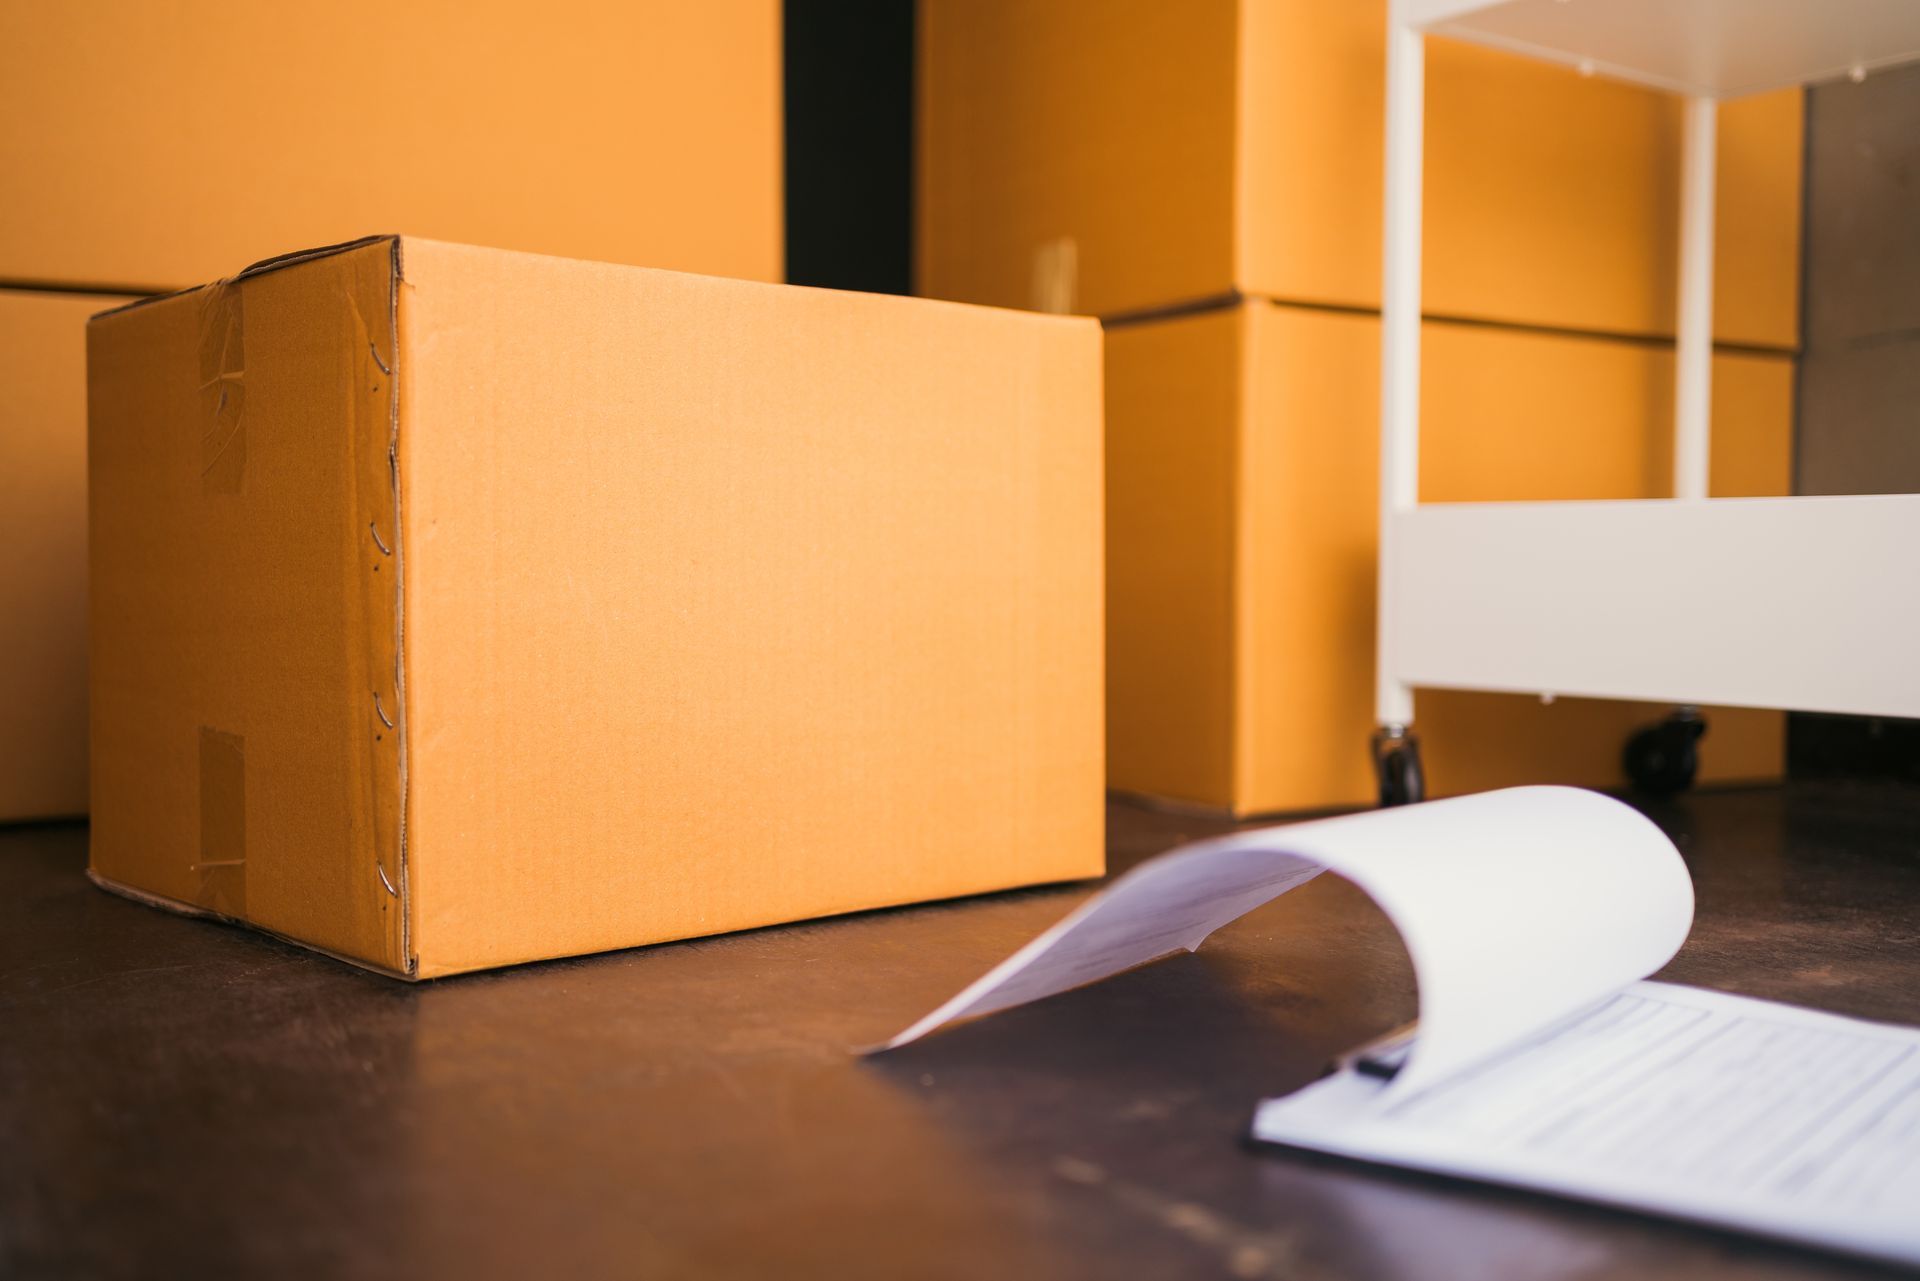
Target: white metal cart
<point>1811,604</point>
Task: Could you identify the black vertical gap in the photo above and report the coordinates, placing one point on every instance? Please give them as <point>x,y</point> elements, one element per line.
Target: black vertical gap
<point>849,68</point>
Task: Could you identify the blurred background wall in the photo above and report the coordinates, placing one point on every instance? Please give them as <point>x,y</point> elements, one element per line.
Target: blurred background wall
<point>1204,176</point>
<point>152,147</point>
<point>1207,178</point>
<point>1858,422</point>
<point>1550,254</point>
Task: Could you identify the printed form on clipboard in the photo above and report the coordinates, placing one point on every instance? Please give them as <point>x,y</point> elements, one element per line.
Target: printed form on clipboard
<point>1543,1059</point>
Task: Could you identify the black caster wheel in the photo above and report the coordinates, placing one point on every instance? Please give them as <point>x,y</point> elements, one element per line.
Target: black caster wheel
<point>1662,759</point>
<point>1396,764</point>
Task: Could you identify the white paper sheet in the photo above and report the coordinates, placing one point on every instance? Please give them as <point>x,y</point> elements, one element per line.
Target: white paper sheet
<point>1517,907</point>
<point>1687,1103</point>
<point>1540,1059</point>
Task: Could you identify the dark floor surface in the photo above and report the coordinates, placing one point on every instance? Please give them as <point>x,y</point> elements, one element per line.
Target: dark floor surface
<point>181,1099</point>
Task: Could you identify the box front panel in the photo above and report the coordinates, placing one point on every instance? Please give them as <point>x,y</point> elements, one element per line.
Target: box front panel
<point>243,611</point>
<point>730,604</point>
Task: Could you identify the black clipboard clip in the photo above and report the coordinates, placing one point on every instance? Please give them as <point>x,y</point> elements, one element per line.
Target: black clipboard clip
<point>1383,1057</point>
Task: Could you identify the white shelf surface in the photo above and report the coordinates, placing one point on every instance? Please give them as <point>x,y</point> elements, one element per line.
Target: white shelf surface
<point>1707,48</point>
<point>1811,604</point>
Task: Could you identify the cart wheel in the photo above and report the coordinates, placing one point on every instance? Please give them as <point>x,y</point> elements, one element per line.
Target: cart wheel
<point>1396,763</point>
<point>1661,760</point>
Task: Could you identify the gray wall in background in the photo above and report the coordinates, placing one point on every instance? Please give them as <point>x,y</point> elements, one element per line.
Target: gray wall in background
<point>1859,413</point>
<point>1858,428</point>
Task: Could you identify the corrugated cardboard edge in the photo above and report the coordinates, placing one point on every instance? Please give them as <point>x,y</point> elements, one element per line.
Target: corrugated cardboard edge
<point>261,268</point>
<point>178,908</point>
<point>397,275</point>
<point>400,890</point>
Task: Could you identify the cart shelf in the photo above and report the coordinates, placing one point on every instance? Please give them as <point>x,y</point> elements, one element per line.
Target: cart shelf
<point>1804,603</point>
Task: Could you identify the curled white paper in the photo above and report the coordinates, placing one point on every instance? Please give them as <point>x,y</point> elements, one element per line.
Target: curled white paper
<point>1518,908</point>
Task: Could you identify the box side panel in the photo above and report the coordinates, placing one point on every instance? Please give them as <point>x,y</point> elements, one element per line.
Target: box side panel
<point>243,615</point>
<point>1505,416</point>
<point>1310,484</point>
<point>43,572</point>
<point>1173,426</point>
<point>165,145</point>
<point>1551,199</point>
<point>732,604</point>
<point>1077,155</point>
<point>1309,160</point>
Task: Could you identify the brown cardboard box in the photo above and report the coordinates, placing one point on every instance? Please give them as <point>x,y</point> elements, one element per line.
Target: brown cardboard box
<point>43,569</point>
<point>1241,527</point>
<point>1114,156</point>
<point>156,146</point>
<point>454,607</point>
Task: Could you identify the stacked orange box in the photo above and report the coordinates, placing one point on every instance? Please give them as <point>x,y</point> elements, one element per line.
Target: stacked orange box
<point>150,148</point>
<point>1207,179</point>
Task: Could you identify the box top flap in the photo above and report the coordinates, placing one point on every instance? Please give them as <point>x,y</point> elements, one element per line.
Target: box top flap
<point>276,263</point>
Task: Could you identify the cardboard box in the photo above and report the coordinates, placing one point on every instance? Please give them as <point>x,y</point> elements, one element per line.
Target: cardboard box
<point>43,570</point>
<point>454,607</point>
<point>1116,156</point>
<point>1241,534</point>
<point>157,146</point>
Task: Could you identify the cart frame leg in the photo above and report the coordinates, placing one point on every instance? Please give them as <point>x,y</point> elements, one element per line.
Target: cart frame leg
<point>1399,373</point>
<point>1693,328</point>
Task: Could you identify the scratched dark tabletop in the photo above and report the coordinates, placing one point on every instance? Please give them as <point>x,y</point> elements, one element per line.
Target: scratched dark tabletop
<point>182,1099</point>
